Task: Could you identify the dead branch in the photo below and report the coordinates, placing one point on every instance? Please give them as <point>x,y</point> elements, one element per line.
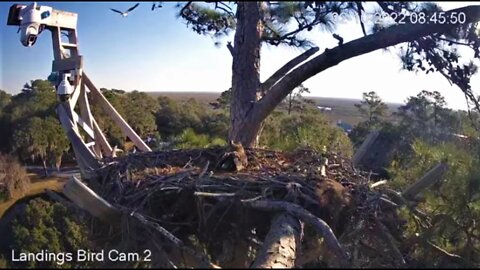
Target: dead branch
<point>317,223</point>
<point>281,243</point>
<point>431,177</point>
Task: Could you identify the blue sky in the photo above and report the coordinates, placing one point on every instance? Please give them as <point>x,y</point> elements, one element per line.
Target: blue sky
<point>155,51</point>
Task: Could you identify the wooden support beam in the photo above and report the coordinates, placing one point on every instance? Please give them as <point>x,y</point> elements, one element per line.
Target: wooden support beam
<point>67,64</point>
<point>363,149</point>
<point>84,125</point>
<point>87,199</point>
<point>56,40</point>
<point>432,176</point>
<point>86,114</point>
<point>117,118</point>
<point>74,97</point>
<point>102,140</point>
<point>85,158</point>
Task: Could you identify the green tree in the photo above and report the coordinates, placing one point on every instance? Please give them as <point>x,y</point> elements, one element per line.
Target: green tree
<point>139,110</point>
<point>430,47</point>
<point>373,108</point>
<point>294,99</point>
<point>36,100</point>
<point>58,143</point>
<point>224,100</point>
<point>41,138</point>
<point>450,206</point>
<point>5,99</point>
<point>426,116</point>
<point>49,226</point>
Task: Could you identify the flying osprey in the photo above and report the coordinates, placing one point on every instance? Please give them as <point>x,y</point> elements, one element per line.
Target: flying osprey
<point>124,14</point>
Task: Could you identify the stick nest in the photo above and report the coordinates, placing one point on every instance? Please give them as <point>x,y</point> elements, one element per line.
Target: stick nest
<point>187,204</point>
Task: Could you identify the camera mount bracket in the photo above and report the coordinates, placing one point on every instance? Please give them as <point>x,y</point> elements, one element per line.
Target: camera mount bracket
<point>73,86</point>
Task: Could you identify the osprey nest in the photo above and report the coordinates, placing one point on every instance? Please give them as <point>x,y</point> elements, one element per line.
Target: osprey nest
<point>230,207</point>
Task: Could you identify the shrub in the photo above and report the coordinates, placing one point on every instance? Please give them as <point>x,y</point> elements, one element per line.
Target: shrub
<point>190,139</point>
<point>309,129</point>
<point>13,178</point>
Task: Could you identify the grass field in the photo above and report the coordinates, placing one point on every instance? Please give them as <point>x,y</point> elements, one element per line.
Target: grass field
<point>37,186</point>
<point>342,108</point>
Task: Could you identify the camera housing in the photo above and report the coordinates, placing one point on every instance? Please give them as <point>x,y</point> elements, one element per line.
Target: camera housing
<point>31,19</point>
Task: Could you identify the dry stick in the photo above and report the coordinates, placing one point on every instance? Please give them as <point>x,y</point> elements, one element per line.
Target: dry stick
<point>208,194</point>
<point>204,170</point>
<point>444,252</point>
<point>317,223</point>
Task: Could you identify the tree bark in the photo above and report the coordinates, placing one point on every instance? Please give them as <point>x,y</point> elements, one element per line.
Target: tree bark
<point>245,73</point>
<point>281,243</point>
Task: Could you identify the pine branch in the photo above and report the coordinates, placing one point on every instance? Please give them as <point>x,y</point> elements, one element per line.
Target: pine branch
<point>286,68</point>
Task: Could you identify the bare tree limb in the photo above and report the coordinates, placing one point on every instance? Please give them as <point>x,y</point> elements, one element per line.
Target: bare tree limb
<point>230,47</point>
<point>359,11</point>
<point>286,68</point>
<point>281,243</point>
<point>452,41</point>
<point>317,223</point>
<point>185,7</point>
<point>383,39</point>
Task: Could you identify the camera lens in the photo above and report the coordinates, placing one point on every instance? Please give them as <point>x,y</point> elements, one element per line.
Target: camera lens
<point>31,39</point>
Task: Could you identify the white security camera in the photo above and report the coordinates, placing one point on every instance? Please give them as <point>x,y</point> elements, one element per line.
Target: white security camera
<point>65,88</point>
<point>32,19</point>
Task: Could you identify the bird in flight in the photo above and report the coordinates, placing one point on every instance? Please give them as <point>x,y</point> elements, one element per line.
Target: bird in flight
<point>155,5</point>
<point>124,14</point>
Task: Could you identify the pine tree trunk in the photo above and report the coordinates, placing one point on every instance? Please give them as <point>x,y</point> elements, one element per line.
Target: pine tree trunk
<point>45,170</point>
<point>281,243</point>
<point>246,74</point>
<point>58,161</point>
